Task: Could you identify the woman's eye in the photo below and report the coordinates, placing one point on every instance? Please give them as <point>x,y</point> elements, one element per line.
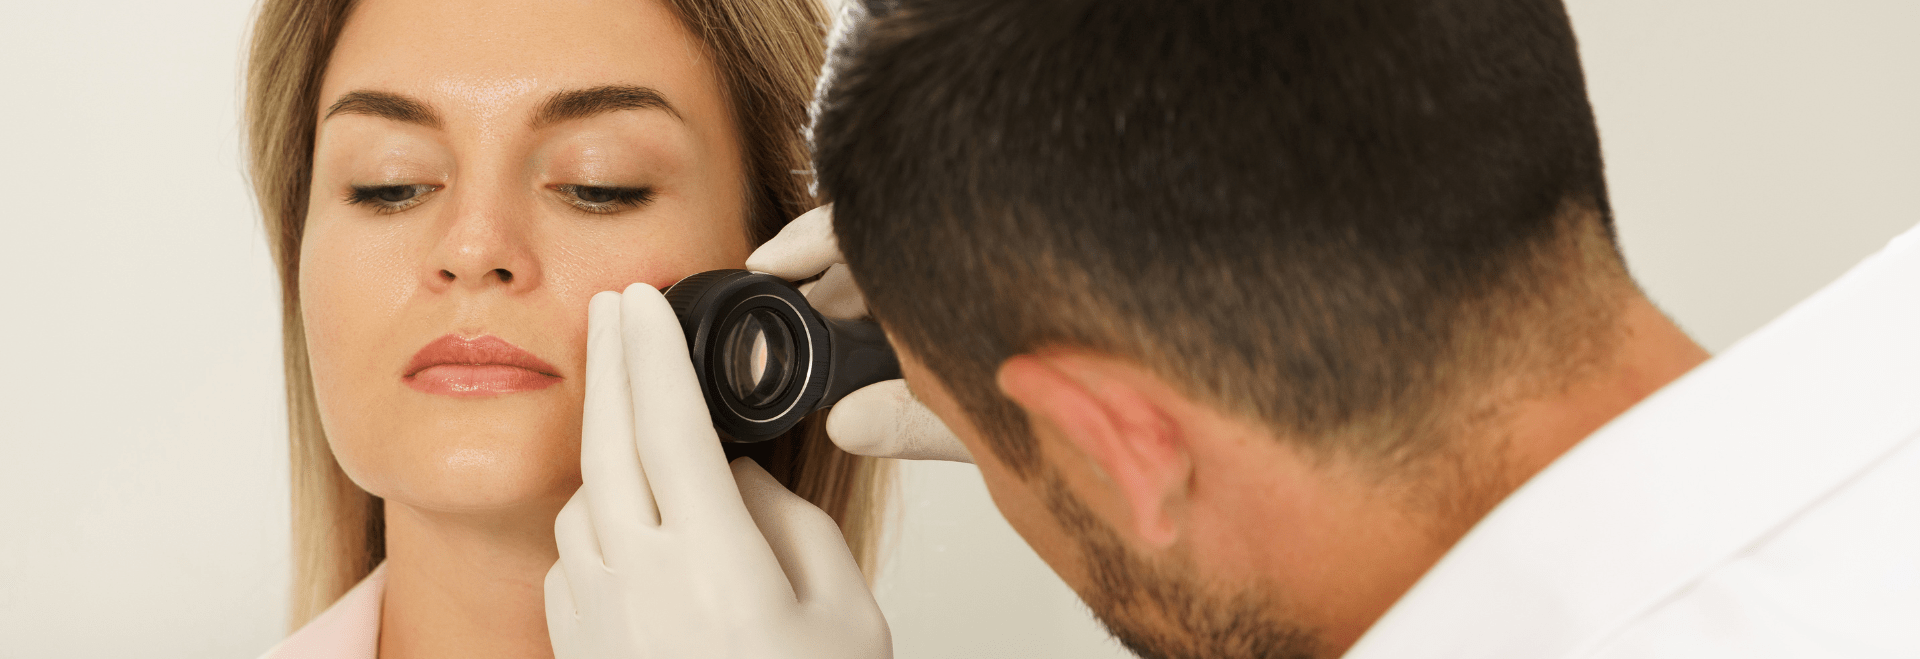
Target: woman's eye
<point>389,198</point>
<point>396,194</point>
<point>595,195</point>
<point>603,200</point>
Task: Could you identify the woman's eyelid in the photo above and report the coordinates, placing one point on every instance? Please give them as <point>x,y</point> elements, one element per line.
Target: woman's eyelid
<point>602,182</point>
<point>395,180</point>
<point>394,165</point>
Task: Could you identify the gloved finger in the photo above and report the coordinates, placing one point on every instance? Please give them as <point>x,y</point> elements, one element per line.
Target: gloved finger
<point>573,533</point>
<point>674,431</point>
<point>562,614</point>
<point>804,248</point>
<point>884,420</point>
<point>611,475</point>
<point>835,294</point>
<point>812,552</point>
<point>686,466</point>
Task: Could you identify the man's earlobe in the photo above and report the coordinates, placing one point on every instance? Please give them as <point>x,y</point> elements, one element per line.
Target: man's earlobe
<point>1113,412</point>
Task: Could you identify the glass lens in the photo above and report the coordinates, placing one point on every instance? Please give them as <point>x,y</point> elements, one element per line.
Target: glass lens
<point>757,358</point>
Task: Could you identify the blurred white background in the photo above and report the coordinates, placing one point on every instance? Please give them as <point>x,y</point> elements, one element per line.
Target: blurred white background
<point>1756,149</point>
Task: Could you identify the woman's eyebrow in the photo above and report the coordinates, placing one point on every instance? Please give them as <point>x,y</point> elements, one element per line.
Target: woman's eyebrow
<point>386,105</point>
<point>583,103</point>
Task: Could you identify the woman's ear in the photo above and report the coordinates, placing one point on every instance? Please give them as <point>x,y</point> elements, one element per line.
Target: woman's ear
<point>1118,415</point>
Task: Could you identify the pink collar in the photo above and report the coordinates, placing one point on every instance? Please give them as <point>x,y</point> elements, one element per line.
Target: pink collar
<point>350,629</point>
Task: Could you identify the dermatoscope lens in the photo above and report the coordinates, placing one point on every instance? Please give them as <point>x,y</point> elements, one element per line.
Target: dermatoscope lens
<point>765,358</point>
<point>758,358</point>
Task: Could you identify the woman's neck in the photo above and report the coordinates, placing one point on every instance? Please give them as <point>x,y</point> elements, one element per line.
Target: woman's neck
<point>466,584</point>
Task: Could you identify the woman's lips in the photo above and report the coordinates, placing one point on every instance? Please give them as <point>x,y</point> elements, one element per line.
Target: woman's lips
<point>481,366</point>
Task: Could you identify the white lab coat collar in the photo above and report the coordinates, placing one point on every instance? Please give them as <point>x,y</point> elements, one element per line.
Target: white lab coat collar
<point>1682,482</point>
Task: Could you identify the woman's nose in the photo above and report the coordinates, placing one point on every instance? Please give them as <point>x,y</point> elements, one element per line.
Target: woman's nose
<point>485,245</point>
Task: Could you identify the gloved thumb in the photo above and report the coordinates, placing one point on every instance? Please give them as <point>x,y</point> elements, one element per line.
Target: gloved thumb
<point>884,420</point>
<point>803,249</point>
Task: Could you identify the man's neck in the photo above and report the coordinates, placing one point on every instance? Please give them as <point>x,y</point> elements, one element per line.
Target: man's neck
<point>1378,545</point>
<point>1651,351</point>
<point>465,585</point>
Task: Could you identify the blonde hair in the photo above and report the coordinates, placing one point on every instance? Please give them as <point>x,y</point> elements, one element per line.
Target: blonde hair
<point>767,53</point>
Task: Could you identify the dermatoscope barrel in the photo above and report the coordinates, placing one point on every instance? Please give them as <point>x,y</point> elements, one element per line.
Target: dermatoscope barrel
<point>765,358</point>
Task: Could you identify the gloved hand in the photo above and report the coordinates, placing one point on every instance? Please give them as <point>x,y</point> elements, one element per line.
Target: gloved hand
<point>881,420</point>
<point>665,551</point>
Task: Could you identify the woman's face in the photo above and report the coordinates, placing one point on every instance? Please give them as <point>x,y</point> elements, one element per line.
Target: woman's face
<point>481,169</point>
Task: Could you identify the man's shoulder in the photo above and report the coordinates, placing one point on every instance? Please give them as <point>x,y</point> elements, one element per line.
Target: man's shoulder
<point>1686,511</point>
<point>1842,578</point>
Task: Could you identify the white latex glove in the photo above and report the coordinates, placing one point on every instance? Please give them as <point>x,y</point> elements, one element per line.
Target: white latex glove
<point>881,420</point>
<point>665,551</point>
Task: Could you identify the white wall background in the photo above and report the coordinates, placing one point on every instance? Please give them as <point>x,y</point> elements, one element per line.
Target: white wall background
<point>1756,149</point>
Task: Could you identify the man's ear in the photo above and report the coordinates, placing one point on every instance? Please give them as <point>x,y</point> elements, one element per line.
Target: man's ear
<point>1119,416</point>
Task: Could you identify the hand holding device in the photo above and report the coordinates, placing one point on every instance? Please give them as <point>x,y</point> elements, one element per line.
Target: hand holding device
<point>664,550</point>
<point>879,420</point>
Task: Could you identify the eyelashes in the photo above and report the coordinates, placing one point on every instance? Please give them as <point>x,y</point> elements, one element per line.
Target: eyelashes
<point>595,199</point>
<point>389,199</point>
<point>601,200</point>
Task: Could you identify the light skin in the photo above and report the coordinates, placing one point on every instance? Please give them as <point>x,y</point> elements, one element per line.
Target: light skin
<point>1325,540</point>
<point>483,169</point>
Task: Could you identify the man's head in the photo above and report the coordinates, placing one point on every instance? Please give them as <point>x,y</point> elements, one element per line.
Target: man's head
<point>1129,248</point>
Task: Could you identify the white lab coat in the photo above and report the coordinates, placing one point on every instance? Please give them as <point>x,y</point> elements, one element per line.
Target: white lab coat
<point>1766,504</point>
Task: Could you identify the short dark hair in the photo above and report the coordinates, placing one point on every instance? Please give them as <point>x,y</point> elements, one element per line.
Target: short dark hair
<point>1328,216</point>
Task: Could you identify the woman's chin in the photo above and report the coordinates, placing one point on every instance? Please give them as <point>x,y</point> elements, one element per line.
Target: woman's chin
<point>475,472</point>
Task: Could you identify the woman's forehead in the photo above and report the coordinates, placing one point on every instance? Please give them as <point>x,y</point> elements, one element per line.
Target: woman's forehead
<point>504,65</point>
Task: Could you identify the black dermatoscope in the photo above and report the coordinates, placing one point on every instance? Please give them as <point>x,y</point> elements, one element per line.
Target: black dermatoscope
<point>765,358</point>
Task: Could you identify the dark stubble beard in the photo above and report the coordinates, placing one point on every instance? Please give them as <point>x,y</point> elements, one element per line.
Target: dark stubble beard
<point>1128,594</point>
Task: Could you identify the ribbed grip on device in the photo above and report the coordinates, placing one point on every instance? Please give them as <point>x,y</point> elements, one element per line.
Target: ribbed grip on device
<point>685,293</point>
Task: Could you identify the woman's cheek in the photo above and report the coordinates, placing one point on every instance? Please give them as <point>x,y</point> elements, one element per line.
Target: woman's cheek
<point>328,315</point>
<point>353,289</point>
<point>354,283</point>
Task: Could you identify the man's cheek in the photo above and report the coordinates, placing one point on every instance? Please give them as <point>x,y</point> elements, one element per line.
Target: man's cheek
<point>1021,503</point>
